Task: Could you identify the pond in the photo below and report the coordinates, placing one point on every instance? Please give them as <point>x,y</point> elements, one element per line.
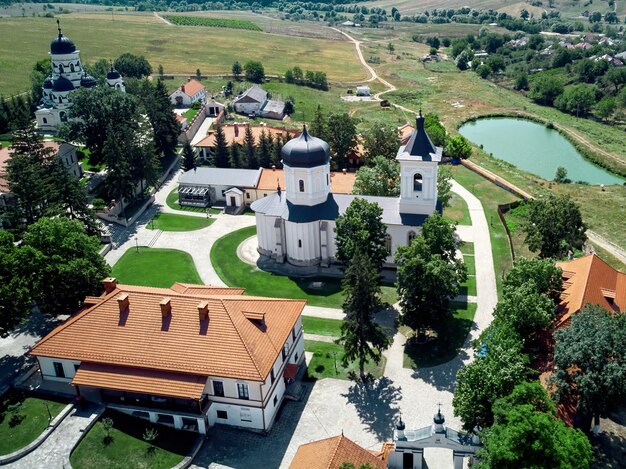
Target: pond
<point>534,148</point>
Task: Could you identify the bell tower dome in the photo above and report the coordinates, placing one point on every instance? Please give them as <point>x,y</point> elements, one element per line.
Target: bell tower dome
<point>418,160</point>
<point>306,161</point>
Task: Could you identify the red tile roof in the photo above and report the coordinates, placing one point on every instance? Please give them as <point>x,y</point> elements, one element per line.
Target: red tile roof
<point>590,280</point>
<point>227,344</point>
<point>331,453</point>
<point>340,183</point>
<point>191,87</point>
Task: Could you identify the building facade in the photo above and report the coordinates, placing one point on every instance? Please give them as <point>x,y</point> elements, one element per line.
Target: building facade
<point>191,356</point>
<point>189,93</point>
<point>297,225</point>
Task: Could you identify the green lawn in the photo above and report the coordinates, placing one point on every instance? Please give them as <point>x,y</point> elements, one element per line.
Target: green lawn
<point>490,196</point>
<point>190,114</point>
<point>126,447</point>
<point>152,267</point>
<point>325,355</point>
<point>236,273</point>
<point>23,426</point>
<point>457,212</point>
<point>321,326</point>
<point>447,339</point>
<point>469,286</point>
<point>467,248</point>
<point>172,202</point>
<point>173,222</point>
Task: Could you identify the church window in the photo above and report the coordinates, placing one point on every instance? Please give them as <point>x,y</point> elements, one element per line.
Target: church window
<point>72,68</point>
<point>60,68</point>
<point>327,180</point>
<point>299,243</point>
<point>301,185</point>
<point>410,237</point>
<point>417,182</point>
<point>45,121</point>
<point>388,243</point>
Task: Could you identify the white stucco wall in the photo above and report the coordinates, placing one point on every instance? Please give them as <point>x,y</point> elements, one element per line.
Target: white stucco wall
<point>247,108</point>
<point>423,202</point>
<point>316,184</point>
<point>46,365</point>
<point>303,241</point>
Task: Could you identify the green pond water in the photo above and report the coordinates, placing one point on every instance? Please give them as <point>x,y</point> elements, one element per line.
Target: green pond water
<point>534,148</point>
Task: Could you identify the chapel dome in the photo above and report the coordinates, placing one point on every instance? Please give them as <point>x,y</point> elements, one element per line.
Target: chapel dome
<point>113,74</point>
<point>62,45</point>
<point>47,83</point>
<point>62,84</point>
<point>87,81</point>
<point>305,151</point>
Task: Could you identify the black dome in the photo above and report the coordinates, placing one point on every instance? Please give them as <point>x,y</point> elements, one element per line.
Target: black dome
<point>47,83</point>
<point>62,45</point>
<point>438,418</point>
<point>87,81</point>
<point>305,151</point>
<point>113,74</point>
<point>62,84</point>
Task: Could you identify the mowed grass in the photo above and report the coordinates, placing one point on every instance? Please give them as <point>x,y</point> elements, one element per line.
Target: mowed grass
<point>173,222</point>
<point>328,355</point>
<point>22,427</point>
<point>126,448</point>
<point>321,326</point>
<point>446,341</point>
<point>180,49</point>
<point>457,212</point>
<point>236,273</point>
<point>152,267</point>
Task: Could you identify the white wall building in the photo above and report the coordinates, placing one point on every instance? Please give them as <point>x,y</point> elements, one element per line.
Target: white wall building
<point>190,356</point>
<point>189,93</point>
<point>297,225</point>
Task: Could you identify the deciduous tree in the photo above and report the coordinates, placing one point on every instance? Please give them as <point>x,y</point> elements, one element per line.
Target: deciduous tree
<point>236,69</point>
<point>341,138</point>
<point>444,186</point>
<point>254,71</point>
<point>542,272</point>
<point>458,147</point>
<point>381,178</point>
<point>130,65</point>
<point>381,140</point>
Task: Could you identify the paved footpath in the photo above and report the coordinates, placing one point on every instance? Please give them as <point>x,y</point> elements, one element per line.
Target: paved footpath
<point>56,449</point>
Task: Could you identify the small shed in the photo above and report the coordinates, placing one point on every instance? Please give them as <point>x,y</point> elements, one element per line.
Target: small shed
<point>363,90</point>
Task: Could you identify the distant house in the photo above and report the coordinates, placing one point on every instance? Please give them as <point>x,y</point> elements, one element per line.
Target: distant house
<point>189,356</point>
<point>583,46</point>
<point>188,93</point>
<point>348,23</point>
<point>363,90</point>
<point>255,101</point>
<point>65,151</point>
<point>213,108</point>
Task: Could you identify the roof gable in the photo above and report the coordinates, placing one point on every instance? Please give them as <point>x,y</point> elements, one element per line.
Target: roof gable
<point>331,453</point>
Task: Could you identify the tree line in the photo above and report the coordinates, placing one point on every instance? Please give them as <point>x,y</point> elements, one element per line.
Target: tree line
<point>316,80</point>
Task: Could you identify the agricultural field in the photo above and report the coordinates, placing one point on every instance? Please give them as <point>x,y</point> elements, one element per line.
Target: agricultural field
<point>161,44</point>
<point>183,20</point>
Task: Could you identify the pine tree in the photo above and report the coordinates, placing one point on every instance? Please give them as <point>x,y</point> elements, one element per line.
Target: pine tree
<point>361,337</point>
<point>318,126</point>
<point>118,153</point>
<point>163,119</point>
<point>276,149</point>
<point>264,149</point>
<point>249,146</point>
<point>221,149</point>
<point>235,157</point>
<point>189,157</point>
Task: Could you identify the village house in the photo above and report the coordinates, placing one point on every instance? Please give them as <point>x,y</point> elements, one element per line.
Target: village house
<point>189,93</point>
<point>189,356</point>
<point>255,101</point>
<point>63,150</point>
<point>363,90</point>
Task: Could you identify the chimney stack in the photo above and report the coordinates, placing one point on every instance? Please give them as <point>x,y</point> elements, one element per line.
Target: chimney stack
<point>110,284</point>
<point>166,307</point>
<point>273,167</point>
<point>182,88</point>
<point>344,170</point>
<point>203,310</point>
<point>123,302</point>
<point>236,130</point>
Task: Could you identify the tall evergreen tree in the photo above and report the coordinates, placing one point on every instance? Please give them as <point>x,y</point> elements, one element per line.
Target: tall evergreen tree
<point>159,109</point>
<point>264,150</point>
<point>249,146</point>
<point>235,155</point>
<point>318,125</point>
<point>220,158</point>
<point>28,175</point>
<point>118,154</point>
<point>361,337</point>
<point>189,157</point>
<point>276,151</point>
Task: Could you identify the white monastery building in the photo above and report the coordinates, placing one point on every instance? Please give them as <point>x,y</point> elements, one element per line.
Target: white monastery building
<point>298,225</point>
<point>67,76</point>
<point>188,93</point>
<point>189,356</point>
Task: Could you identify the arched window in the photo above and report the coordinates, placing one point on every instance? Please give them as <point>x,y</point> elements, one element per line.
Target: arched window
<point>72,68</point>
<point>410,237</point>
<point>60,68</point>
<point>63,117</point>
<point>301,185</point>
<point>417,182</point>
<point>388,243</point>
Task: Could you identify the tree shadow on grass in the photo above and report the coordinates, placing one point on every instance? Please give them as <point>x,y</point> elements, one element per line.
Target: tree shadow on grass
<point>376,403</point>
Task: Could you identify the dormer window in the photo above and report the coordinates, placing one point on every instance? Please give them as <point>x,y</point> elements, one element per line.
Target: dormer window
<point>417,182</point>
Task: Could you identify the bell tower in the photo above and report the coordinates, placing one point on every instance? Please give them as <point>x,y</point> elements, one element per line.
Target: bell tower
<point>418,160</point>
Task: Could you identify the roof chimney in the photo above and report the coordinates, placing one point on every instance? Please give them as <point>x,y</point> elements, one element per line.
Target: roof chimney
<point>273,167</point>
<point>236,130</point>
<point>110,284</point>
<point>182,88</point>
<point>123,302</point>
<point>166,307</point>
<point>344,170</point>
<point>203,310</point>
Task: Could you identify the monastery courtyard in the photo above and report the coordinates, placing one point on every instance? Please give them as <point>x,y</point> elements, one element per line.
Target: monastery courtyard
<point>365,414</point>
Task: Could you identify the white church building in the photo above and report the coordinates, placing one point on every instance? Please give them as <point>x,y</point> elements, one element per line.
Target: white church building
<point>298,225</point>
<point>67,75</point>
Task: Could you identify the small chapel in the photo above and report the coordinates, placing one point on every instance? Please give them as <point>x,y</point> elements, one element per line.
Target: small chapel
<point>297,224</point>
<point>67,75</point>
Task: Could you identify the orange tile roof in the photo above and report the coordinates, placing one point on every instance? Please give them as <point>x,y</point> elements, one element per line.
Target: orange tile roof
<point>590,280</point>
<point>331,453</point>
<point>405,132</point>
<point>236,133</point>
<point>140,380</point>
<point>340,183</point>
<point>226,345</point>
<point>191,87</point>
